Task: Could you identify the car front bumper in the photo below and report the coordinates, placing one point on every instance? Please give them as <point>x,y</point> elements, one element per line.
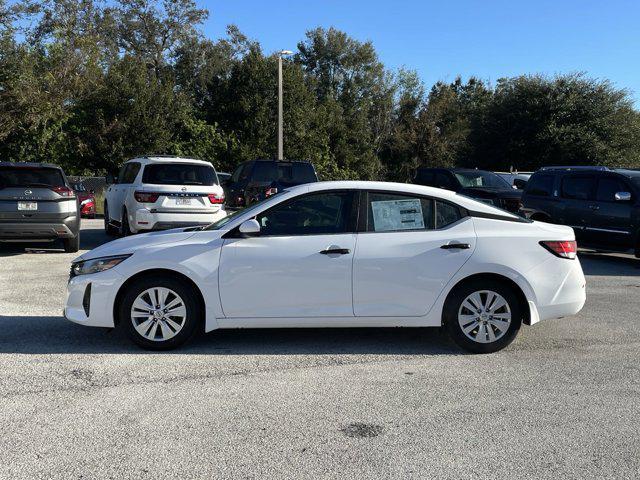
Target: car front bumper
<point>90,298</point>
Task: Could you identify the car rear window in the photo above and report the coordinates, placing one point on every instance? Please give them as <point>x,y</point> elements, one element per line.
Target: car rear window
<point>293,173</point>
<point>30,177</point>
<point>179,174</point>
<point>540,185</point>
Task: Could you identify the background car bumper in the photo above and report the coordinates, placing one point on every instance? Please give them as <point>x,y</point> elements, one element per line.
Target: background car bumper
<point>149,220</point>
<point>31,230</point>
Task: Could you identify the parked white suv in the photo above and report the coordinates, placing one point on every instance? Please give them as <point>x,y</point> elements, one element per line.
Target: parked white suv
<point>158,193</point>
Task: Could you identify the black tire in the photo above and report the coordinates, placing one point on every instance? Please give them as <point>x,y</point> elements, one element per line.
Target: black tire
<point>194,312</point>
<point>71,245</point>
<point>108,228</point>
<point>125,230</point>
<point>453,306</point>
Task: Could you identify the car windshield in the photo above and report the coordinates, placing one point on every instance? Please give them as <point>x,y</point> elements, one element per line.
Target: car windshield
<point>479,178</point>
<point>179,174</point>
<point>223,221</point>
<point>30,177</point>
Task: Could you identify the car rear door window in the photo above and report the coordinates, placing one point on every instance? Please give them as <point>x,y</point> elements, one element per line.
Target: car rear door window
<point>446,214</point>
<point>316,214</point>
<point>128,172</point>
<point>540,185</point>
<point>179,174</point>
<point>608,187</point>
<point>444,181</point>
<point>578,187</point>
<point>388,212</point>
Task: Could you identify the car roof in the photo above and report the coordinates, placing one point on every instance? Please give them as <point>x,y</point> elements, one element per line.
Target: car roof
<point>279,161</point>
<point>454,169</point>
<point>30,165</point>
<point>153,159</point>
<point>628,172</point>
<point>410,188</point>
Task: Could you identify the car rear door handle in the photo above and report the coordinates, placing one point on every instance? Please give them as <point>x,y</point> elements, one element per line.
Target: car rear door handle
<point>335,251</point>
<point>451,246</point>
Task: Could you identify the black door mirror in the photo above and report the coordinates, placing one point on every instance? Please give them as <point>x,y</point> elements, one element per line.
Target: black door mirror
<point>623,197</point>
<point>110,179</point>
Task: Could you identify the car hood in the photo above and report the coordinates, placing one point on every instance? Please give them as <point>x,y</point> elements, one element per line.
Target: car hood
<point>130,244</point>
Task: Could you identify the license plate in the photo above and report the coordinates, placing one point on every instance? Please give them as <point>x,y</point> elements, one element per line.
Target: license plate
<point>183,201</point>
<point>28,206</point>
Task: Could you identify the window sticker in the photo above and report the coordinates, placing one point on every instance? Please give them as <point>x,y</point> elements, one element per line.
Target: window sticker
<point>391,215</point>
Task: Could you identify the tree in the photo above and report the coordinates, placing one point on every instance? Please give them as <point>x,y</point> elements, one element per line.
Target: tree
<point>532,121</point>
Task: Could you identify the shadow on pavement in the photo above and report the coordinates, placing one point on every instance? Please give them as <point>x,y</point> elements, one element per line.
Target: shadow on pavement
<point>609,265</point>
<point>47,335</point>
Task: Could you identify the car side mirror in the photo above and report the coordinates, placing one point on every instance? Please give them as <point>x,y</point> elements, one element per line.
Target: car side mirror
<point>110,179</point>
<point>92,191</point>
<point>623,197</point>
<point>250,228</point>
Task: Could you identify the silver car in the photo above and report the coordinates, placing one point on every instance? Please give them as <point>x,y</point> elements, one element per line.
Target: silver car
<point>37,203</point>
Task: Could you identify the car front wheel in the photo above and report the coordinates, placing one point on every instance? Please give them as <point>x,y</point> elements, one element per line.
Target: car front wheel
<point>160,313</point>
<point>483,316</point>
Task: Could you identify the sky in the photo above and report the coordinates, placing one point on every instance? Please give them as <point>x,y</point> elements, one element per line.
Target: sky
<point>443,39</point>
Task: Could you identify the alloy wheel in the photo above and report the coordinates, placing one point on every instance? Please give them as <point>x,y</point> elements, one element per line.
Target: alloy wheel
<point>158,314</point>
<point>484,316</point>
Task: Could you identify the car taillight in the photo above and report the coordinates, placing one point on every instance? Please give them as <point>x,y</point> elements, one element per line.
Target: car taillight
<point>63,191</point>
<point>565,248</point>
<point>146,197</point>
<point>216,199</point>
<point>270,191</point>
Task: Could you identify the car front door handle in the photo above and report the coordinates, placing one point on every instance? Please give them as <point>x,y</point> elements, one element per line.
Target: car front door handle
<point>335,251</point>
<point>451,246</point>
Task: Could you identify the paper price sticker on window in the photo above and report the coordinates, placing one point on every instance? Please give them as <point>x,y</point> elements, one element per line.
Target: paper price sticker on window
<point>391,215</point>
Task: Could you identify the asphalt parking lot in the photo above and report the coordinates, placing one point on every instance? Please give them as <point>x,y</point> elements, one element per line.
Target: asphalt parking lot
<point>561,402</point>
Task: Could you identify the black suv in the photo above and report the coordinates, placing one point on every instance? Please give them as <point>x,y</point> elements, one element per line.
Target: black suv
<point>601,204</point>
<point>38,203</point>
<point>256,179</point>
<point>479,184</point>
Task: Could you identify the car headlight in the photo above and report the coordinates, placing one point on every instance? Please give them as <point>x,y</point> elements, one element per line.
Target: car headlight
<point>96,265</point>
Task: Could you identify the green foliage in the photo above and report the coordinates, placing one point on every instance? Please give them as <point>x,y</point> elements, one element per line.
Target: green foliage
<point>87,84</point>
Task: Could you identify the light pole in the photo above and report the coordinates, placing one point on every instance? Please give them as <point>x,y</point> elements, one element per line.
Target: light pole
<point>281,53</point>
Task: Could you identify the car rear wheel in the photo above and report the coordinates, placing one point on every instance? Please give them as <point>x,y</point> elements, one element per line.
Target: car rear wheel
<point>483,316</point>
<point>108,228</point>
<point>160,313</point>
<point>71,245</point>
<point>125,230</point>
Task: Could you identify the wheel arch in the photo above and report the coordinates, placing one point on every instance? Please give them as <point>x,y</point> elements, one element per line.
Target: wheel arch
<point>522,298</point>
<point>155,272</point>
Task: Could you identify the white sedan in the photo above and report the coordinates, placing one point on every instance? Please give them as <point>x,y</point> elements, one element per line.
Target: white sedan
<point>336,254</point>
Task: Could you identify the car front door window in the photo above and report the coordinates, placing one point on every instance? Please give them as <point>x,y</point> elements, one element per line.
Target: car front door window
<point>317,214</point>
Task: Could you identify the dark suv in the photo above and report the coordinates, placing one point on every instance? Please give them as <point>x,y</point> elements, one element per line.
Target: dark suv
<point>601,204</point>
<point>256,179</point>
<point>479,184</point>
<point>37,203</point>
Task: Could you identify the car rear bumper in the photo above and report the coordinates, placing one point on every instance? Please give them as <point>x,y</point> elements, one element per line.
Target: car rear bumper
<point>18,231</point>
<point>568,295</point>
<point>147,220</point>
